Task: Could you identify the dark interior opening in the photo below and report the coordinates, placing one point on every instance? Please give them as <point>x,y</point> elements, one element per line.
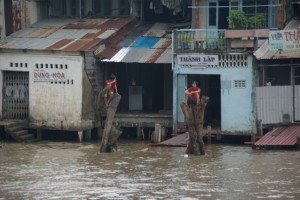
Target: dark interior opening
<point>155,11</point>
<point>277,76</point>
<point>210,86</point>
<point>153,86</point>
<point>223,14</point>
<point>296,9</point>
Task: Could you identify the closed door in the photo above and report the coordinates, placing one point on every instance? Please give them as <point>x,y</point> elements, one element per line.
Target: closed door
<point>15,95</point>
<point>181,87</point>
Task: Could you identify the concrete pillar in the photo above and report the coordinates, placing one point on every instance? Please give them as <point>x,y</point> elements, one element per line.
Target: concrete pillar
<point>80,136</point>
<point>87,135</point>
<point>138,133</point>
<point>39,134</point>
<point>163,133</point>
<point>209,134</point>
<point>99,133</point>
<point>157,133</point>
<point>219,136</point>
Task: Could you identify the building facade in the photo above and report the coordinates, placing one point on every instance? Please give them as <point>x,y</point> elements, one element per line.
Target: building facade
<point>221,59</point>
<point>227,78</point>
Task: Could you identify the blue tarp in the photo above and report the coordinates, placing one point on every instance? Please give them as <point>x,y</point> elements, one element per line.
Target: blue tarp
<point>146,42</point>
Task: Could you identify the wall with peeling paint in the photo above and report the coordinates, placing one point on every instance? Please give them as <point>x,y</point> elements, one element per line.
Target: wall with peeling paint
<point>238,110</point>
<point>2,20</point>
<point>52,104</point>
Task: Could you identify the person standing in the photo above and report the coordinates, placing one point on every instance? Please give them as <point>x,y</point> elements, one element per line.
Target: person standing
<point>192,94</point>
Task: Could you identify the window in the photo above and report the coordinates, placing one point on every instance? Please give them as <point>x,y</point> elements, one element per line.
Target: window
<point>253,7</point>
<point>234,5</point>
<point>239,84</point>
<point>212,14</point>
<point>297,76</point>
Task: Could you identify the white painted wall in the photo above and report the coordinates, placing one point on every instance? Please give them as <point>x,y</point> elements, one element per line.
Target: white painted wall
<point>33,11</point>
<point>2,19</point>
<point>238,110</point>
<point>53,105</point>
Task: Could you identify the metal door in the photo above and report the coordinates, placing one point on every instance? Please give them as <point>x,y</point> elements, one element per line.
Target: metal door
<point>297,103</point>
<point>181,87</point>
<point>15,95</point>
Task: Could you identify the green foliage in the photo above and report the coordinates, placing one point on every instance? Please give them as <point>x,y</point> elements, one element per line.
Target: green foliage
<point>238,20</point>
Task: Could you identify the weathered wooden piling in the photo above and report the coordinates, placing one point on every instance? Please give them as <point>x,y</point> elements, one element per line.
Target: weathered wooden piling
<point>194,116</point>
<point>111,110</point>
<point>209,134</point>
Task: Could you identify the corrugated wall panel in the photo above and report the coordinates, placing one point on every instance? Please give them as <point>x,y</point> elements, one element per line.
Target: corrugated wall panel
<point>273,103</point>
<point>297,103</point>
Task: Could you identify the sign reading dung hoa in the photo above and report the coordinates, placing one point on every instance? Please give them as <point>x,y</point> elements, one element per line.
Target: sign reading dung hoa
<point>47,76</point>
<point>198,60</point>
<point>284,39</point>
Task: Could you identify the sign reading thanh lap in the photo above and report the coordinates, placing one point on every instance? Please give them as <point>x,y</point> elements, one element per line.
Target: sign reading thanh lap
<point>198,60</point>
<point>284,39</point>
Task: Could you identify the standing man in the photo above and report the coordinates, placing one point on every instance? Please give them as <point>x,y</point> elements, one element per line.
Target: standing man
<point>192,94</point>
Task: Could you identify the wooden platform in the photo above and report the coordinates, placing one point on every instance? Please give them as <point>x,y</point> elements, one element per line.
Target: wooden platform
<point>143,120</point>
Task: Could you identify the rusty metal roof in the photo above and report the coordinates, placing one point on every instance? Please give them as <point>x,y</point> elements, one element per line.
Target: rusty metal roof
<point>71,35</point>
<point>153,46</point>
<point>280,137</point>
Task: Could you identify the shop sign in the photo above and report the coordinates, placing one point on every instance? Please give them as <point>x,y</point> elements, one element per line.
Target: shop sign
<point>284,39</point>
<point>198,60</point>
<point>46,76</point>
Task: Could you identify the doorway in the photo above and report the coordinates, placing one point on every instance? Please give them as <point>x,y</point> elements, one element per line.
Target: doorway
<point>15,95</point>
<point>210,86</point>
<point>144,87</point>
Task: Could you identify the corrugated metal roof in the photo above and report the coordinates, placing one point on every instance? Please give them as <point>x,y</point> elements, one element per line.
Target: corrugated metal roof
<point>280,137</point>
<point>148,48</point>
<point>177,141</point>
<point>68,35</point>
<point>264,53</point>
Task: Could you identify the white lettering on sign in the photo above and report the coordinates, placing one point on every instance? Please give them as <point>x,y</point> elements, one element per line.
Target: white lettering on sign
<point>200,60</point>
<point>44,76</point>
<point>284,39</point>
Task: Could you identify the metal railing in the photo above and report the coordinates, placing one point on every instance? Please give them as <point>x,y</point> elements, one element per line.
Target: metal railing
<point>199,40</point>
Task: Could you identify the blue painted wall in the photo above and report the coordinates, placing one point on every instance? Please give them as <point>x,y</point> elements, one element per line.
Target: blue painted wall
<point>238,110</point>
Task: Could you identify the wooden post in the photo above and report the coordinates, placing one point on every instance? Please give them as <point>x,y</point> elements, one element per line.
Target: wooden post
<point>138,133</point>
<point>39,134</point>
<point>99,132</point>
<point>157,134</point>
<point>194,116</point>
<point>298,142</point>
<point>87,135</point>
<point>80,135</point>
<point>111,110</point>
<point>209,134</point>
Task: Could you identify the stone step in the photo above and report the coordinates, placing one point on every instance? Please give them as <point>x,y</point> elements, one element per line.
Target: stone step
<point>27,137</point>
<point>13,129</point>
<point>20,132</point>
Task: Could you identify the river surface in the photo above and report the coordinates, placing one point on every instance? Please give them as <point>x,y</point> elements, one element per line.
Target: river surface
<point>65,170</point>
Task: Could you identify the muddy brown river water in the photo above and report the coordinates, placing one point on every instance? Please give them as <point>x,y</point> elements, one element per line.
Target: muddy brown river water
<point>65,170</point>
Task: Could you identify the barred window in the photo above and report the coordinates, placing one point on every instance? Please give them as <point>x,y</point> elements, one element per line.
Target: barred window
<point>239,84</point>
